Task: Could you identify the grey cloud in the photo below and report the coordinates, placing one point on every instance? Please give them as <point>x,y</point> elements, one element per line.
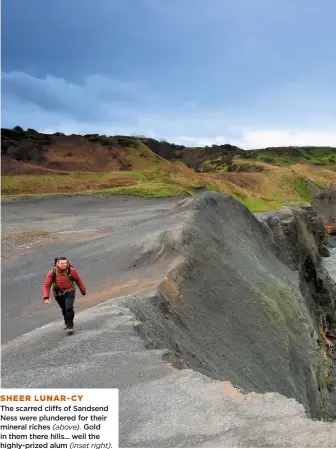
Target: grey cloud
<point>97,99</point>
<point>111,106</point>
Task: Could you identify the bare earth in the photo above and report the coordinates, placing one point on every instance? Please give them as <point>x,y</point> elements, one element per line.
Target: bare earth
<point>115,243</point>
<point>99,235</point>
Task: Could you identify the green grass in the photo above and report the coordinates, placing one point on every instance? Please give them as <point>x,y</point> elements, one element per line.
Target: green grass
<point>323,156</point>
<point>157,175</point>
<point>153,184</point>
<point>68,182</point>
<point>262,206</point>
<point>276,160</point>
<point>213,187</point>
<point>157,190</point>
<point>303,189</point>
<point>224,169</point>
<point>149,189</point>
<point>142,177</point>
<point>108,175</point>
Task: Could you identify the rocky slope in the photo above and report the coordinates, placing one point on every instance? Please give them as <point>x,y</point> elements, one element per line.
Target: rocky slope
<point>240,299</point>
<point>249,302</point>
<point>325,204</point>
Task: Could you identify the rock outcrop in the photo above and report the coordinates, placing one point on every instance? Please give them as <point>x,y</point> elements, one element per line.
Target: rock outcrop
<point>325,204</point>
<point>247,301</point>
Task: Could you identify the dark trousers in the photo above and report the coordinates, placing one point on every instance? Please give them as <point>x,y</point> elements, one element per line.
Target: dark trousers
<point>66,303</point>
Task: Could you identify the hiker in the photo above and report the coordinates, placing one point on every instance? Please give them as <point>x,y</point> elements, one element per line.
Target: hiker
<point>63,279</point>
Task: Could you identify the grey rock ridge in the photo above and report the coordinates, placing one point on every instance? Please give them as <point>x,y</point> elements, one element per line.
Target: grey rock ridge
<point>247,301</point>
<point>234,347</point>
<point>324,203</point>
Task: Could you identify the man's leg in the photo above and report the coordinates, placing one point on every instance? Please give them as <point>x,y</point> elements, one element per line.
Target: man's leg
<point>61,302</point>
<point>69,309</point>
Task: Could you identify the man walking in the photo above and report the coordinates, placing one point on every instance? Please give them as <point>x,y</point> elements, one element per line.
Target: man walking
<point>63,279</point>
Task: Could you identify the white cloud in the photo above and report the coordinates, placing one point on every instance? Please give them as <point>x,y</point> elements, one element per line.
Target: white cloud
<point>262,139</point>
<point>200,141</point>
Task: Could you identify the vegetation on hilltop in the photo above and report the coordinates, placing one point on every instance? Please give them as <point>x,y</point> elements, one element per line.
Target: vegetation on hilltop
<point>285,156</point>
<point>89,153</point>
<point>263,179</point>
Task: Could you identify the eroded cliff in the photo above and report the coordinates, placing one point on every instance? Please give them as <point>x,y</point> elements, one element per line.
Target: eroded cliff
<point>246,300</point>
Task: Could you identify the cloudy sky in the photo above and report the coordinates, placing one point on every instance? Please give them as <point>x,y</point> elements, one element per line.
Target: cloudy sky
<point>253,73</point>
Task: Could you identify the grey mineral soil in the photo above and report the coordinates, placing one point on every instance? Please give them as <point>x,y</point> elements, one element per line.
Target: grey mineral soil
<point>160,406</point>
<point>99,235</point>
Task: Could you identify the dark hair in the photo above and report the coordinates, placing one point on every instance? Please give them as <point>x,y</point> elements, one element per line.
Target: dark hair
<point>59,258</point>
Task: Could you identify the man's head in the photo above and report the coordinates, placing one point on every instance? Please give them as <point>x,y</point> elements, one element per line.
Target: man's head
<point>62,263</point>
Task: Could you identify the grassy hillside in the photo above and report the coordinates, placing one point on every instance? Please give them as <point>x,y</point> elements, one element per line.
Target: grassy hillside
<point>37,164</point>
<point>272,188</point>
<point>286,156</point>
<point>36,152</point>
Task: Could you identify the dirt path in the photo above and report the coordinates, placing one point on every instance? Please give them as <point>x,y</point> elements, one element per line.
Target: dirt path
<point>99,235</point>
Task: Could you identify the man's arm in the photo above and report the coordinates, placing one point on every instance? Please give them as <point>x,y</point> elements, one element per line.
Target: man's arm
<point>47,284</point>
<point>78,280</point>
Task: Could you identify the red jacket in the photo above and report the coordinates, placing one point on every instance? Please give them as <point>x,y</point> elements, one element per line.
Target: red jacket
<point>62,281</point>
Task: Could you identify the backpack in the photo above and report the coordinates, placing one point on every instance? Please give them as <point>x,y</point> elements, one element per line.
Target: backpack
<point>68,274</point>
